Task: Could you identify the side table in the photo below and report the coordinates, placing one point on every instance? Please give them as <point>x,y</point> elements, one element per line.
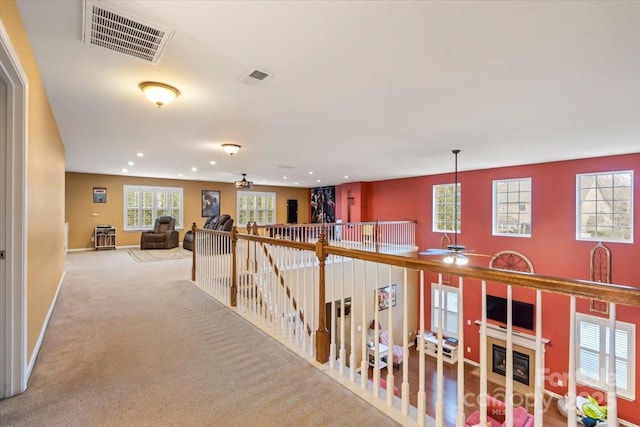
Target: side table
<point>383,351</point>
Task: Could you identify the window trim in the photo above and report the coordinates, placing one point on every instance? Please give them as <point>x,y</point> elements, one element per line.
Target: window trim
<point>154,189</point>
<point>445,289</point>
<point>601,384</point>
<point>579,237</point>
<point>494,218</point>
<point>458,209</point>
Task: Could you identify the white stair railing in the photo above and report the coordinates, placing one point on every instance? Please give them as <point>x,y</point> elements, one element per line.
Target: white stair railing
<point>277,289</point>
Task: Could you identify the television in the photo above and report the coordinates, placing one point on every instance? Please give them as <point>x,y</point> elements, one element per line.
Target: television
<point>521,312</point>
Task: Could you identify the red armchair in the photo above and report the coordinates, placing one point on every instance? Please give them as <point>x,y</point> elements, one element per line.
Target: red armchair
<point>496,411</point>
<point>397,352</point>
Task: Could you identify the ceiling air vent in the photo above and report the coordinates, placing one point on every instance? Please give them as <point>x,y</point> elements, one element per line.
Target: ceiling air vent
<point>110,29</point>
<point>254,77</point>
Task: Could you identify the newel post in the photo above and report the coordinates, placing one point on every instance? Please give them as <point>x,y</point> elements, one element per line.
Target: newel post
<point>234,269</point>
<point>194,227</point>
<point>322,334</point>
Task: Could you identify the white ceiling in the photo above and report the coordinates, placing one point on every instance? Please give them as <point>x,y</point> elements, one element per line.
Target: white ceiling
<point>370,89</point>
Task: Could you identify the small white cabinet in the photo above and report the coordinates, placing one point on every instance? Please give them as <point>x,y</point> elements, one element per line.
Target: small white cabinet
<point>449,351</point>
<point>105,237</point>
<point>383,350</point>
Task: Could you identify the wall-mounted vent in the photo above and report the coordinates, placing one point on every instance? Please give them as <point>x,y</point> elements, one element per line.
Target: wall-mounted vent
<point>254,77</point>
<point>111,29</point>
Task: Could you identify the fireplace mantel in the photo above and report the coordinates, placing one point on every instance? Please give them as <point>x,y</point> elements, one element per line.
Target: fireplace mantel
<point>522,339</point>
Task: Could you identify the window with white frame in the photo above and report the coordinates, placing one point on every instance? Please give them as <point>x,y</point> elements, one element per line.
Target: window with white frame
<point>256,207</point>
<point>143,204</point>
<point>605,206</point>
<point>512,207</point>
<point>593,353</point>
<point>444,208</point>
<point>449,304</point>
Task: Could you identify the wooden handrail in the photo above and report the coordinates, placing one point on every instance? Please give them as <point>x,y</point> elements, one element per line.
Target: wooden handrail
<point>609,292</point>
<point>619,294</point>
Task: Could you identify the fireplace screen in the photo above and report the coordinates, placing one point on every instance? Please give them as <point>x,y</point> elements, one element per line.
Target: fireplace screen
<point>520,364</point>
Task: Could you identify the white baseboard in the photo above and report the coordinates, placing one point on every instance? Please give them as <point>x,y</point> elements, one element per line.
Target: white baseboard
<point>36,350</point>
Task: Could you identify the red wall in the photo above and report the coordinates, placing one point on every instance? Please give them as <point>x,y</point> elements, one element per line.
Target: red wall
<point>552,247</point>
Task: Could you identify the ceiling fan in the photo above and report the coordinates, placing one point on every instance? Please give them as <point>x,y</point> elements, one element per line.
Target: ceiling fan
<point>244,183</point>
<point>456,253</point>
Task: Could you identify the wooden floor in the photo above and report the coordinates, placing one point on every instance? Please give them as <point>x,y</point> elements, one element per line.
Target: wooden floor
<point>552,417</point>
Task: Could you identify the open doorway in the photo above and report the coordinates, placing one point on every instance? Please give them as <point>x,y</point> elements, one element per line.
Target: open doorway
<point>13,196</point>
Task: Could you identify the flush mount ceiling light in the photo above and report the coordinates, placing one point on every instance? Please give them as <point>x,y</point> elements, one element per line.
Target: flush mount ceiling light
<point>231,149</point>
<point>159,93</point>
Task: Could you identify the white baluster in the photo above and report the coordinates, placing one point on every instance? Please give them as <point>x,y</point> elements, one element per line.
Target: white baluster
<point>571,394</point>
<point>612,401</point>
<point>460,418</point>
<point>422,406</point>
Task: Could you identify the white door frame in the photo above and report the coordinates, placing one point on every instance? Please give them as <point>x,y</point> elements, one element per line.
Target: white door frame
<point>13,284</point>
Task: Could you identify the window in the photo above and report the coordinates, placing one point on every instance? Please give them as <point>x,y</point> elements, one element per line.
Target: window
<point>444,209</point>
<point>605,206</point>
<point>450,307</point>
<point>256,207</point>
<point>593,354</point>
<point>512,207</point>
<point>143,204</point>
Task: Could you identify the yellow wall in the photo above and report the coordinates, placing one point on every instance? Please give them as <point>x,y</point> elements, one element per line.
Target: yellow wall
<point>45,186</point>
<point>83,215</point>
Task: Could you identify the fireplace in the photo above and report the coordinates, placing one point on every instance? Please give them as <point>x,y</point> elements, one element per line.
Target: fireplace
<point>520,364</point>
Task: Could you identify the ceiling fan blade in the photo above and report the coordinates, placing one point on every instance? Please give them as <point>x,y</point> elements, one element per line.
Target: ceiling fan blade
<point>474,254</point>
<point>435,252</point>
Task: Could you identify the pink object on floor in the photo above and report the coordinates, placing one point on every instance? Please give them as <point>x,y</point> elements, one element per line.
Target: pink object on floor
<point>383,385</point>
<point>496,411</point>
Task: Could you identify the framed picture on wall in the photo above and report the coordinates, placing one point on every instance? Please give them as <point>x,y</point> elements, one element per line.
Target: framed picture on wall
<point>210,203</point>
<point>99,195</point>
<point>386,297</point>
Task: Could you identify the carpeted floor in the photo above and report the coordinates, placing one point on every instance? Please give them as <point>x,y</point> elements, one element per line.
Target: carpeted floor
<point>150,255</point>
<point>135,344</point>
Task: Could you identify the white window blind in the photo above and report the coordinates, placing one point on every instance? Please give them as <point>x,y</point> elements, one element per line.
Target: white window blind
<point>593,354</point>
<point>256,207</point>
<point>143,204</point>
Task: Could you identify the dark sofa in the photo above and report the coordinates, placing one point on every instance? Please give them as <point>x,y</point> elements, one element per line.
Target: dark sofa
<point>220,223</point>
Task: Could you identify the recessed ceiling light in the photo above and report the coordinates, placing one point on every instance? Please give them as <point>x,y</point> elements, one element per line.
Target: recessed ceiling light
<point>130,163</point>
<point>212,162</point>
<point>179,174</point>
<point>317,180</point>
<point>295,183</point>
<point>284,177</point>
<point>125,170</point>
<point>346,177</point>
<point>310,172</point>
<point>140,154</point>
<point>194,169</point>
